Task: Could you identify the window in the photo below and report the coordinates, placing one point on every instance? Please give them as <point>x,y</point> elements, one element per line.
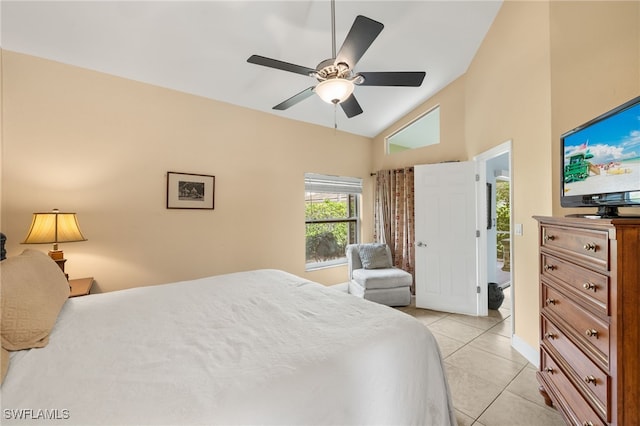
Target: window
<point>332,218</point>
<point>423,131</point>
<point>503,213</point>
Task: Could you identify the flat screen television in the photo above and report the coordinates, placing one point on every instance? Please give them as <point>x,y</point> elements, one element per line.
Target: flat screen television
<point>601,162</point>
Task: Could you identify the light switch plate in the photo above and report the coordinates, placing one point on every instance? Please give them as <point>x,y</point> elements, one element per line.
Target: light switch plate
<point>518,229</point>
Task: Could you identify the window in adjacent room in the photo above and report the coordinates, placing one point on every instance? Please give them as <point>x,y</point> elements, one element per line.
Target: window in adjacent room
<point>423,131</point>
<point>332,218</point>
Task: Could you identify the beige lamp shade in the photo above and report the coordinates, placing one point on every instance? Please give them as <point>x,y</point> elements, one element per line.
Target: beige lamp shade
<point>54,227</point>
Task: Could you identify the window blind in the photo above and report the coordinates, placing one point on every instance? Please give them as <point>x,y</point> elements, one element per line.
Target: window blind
<point>325,183</point>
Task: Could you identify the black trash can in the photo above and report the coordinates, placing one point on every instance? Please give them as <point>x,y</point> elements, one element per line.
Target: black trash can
<point>496,296</point>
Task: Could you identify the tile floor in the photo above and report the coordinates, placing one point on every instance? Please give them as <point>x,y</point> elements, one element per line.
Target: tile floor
<point>491,383</point>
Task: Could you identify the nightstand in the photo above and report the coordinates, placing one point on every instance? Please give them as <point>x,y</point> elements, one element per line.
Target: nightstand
<point>80,286</point>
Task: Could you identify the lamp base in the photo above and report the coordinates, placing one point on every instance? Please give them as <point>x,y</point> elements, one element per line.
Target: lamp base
<point>56,254</point>
<point>58,257</point>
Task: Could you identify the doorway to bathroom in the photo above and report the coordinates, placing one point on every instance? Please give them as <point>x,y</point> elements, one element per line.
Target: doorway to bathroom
<point>495,242</point>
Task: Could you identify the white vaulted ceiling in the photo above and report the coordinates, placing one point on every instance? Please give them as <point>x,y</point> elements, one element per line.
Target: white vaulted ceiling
<point>201,47</point>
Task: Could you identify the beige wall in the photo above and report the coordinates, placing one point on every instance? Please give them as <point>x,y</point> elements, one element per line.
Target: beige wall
<point>509,99</point>
<point>99,145</point>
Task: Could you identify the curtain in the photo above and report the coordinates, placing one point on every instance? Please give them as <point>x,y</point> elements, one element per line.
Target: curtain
<point>394,217</point>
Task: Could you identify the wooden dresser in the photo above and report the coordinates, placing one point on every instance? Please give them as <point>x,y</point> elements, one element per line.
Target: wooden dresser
<point>590,319</point>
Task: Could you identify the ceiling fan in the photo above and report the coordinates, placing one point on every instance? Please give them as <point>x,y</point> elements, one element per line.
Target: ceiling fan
<point>336,76</point>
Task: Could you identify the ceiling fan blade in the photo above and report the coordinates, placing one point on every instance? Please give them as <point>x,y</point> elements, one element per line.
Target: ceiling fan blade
<point>398,78</point>
<point>362,33</point>
<point>280,65</point>
<point>351,107</point>
<point>295,99</point>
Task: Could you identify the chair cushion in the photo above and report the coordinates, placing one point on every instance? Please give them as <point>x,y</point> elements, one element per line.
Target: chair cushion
<point>374,256</point>
<point>382,278</point>
<point>399,296</point>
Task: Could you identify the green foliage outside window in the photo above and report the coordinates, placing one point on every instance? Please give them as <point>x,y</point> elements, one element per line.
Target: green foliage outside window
<point>327,240</point>
<point>503,212</point>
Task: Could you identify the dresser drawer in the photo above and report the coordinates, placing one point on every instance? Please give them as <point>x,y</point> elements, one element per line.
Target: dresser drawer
<point>593,380</point>
<point>576,406</point>
<point>591,286</point>
<point>586,246</point>
<point>590,330</point>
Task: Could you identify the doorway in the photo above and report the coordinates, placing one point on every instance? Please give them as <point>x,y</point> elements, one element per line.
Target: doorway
<point>496,251</point>
<point>499,221</point>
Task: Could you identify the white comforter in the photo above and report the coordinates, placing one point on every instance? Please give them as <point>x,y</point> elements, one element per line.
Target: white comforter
<point>261,347</point>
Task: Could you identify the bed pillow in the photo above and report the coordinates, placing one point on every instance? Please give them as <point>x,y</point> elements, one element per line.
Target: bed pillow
<point>33,291</point>
<point>374,256</point>
<point>4,360</point>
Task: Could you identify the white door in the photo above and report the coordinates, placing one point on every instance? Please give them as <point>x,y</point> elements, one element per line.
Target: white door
<point>445,215</point>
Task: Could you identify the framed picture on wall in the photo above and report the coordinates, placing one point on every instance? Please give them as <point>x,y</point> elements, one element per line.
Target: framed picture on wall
<point>190,191</point>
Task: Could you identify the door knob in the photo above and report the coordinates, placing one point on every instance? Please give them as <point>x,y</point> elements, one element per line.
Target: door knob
<point>421,244</point>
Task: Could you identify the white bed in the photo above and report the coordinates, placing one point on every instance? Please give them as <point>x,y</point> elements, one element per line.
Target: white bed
<point>259,347</point>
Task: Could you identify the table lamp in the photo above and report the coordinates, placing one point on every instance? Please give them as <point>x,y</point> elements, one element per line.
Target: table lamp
<point>54,227</point>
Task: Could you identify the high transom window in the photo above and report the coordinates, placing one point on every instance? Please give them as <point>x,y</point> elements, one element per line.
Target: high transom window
<point>423,131</point>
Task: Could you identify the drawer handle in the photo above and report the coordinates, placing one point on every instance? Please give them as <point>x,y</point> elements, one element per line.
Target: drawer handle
<point>590,247</point>
<point>549,267</point>
<point>548,237</point>
<point>550,336</point>
<point>587,423</point>
<point>549,370</point>
<point>591,333</point>
<point>550,301</point>
<point>589,286</point>
<point>590,379</point>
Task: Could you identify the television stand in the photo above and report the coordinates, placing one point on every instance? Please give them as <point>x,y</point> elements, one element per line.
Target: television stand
<point>604,212</point>
<point>607,212</point>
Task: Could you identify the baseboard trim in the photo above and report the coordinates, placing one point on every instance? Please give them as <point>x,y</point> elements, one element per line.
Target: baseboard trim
<point>530,353</point>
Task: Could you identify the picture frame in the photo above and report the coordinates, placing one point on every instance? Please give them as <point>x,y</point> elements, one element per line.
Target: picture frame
<point>190,191</point>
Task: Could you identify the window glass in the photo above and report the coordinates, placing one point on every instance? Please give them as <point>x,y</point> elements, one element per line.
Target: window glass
<point>331,218</point>
<point>423,131</point>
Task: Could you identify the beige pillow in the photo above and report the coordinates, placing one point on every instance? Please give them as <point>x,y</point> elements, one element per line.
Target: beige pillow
<point>33,291</point>
<point>4,360</point>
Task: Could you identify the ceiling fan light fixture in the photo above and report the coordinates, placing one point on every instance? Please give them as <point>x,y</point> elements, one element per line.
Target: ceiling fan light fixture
<point>335,90</point>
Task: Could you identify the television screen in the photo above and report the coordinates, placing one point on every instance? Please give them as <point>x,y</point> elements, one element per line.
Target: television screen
<point>602,160</point>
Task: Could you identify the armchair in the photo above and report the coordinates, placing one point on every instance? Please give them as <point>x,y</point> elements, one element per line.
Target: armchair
<point>372,276</point>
